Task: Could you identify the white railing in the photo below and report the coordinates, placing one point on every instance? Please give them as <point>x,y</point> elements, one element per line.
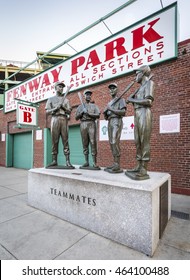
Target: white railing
<point>19,64</point>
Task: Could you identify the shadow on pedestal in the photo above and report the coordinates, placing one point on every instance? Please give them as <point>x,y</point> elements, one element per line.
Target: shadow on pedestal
<point>133,175</point>
<point>59,167</point>
<point>90,168</point>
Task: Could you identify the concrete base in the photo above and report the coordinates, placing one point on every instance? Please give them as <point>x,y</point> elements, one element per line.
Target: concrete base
<point>111,205</point>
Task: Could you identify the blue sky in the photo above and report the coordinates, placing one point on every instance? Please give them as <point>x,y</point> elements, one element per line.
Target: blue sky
<point>40,25</point>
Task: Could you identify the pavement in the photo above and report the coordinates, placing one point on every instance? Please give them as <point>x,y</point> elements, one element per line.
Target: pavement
<point>27,233</point>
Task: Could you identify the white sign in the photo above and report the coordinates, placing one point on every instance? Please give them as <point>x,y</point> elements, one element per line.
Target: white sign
<point>127,131</point>
<point>3,137</point>
<point>170,123</point>
<point>128,128</point>
<point>103,130</point>
<point>150,41</point>
<point>26,115</point>
<point>39,134</point>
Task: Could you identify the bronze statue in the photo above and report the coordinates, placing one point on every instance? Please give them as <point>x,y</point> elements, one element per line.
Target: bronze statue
<point>142,101</point>
<point>58,106</point>
<point>114,112</point>
<point>88,113</point>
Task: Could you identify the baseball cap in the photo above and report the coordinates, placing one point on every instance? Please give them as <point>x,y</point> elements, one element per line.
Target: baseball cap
<point>145,69</point>
<point>88,92</point>
<point>112,85</point>
<point>59,83</point>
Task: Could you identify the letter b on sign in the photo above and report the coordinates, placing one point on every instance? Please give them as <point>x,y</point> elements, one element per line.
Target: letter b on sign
<point>27,117</point>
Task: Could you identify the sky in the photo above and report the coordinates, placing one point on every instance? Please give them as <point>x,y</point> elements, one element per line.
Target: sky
<point>41,25</point>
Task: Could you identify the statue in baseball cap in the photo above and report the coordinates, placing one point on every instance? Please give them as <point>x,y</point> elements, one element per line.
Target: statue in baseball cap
<point>114,112</point>
<point>88,112</point>
<point>142,100</point>
<point>59,108</point>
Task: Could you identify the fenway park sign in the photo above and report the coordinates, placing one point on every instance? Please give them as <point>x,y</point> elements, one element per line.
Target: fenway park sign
<point>149,41</point>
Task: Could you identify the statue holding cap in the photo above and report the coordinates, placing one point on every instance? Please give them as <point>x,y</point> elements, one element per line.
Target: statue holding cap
<point>59,108</point>
<point>87,112</point>
<point>114,112</point>
<point>142,100</point>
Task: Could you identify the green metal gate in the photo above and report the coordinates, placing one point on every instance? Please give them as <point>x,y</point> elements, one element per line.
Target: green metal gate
<point>75,143</point>
<point>22,150</point>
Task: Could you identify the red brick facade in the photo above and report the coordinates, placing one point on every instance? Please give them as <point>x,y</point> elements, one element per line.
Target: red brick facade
<point>169,152</point>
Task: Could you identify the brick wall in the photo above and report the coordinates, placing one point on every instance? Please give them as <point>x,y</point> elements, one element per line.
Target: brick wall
<point>169,152</point>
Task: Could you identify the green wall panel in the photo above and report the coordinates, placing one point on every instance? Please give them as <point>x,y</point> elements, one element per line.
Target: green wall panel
<point>9,150</point>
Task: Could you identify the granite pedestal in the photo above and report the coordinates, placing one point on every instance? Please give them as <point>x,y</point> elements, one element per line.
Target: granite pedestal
<point>133,213</point>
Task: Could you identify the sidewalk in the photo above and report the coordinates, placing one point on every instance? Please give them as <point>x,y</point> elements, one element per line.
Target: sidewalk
<point>28,233</point>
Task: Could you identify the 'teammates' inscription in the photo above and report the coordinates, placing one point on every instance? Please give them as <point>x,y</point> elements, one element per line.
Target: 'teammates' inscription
<point>73,197</point>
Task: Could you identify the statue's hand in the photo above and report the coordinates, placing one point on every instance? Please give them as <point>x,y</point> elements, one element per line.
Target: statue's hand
<point>63,107</point>
<point>105,110</point>
<point>68,88</point>
<point>85,111</point>
<point>129,100</point>
<point>106,117</point>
